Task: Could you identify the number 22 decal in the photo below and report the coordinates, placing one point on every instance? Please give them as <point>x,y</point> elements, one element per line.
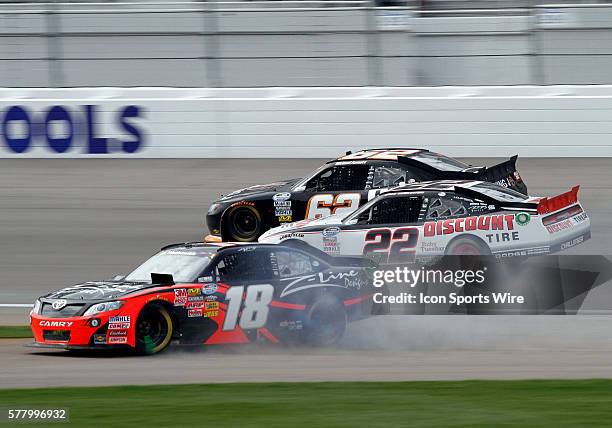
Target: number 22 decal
<point>392,247</point>
<point>256,306</point>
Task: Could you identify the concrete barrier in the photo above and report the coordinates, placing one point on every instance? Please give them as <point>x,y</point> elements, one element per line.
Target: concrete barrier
<point>550,121</point>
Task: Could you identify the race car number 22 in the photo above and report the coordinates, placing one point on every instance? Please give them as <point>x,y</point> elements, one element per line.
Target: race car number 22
<point>256,306</point>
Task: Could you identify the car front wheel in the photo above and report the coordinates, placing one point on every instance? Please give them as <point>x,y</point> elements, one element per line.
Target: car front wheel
<point>154,329</point>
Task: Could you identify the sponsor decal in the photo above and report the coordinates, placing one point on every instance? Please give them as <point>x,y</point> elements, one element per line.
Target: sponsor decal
<point>55,323</point>
<point>118,333</point>
<point>63,128</point>
<point>291,235</point>
<point>350,279</point>
<point>558,227</point>
<point>466,224</point>
<point>208,289</point>
<point>285,218</point>
<point>194,291</point>
<point>118,325</point>
<point>192,313</point>
<point>573,242</point>
<point>282,212</point>
<point>330,231</point>
<point>180,297</point>
<point>120,318</point>
<point>193,305</point>
<point>291,325</point>
<point>59,304</point>
<point>502,237</point>
<point>195,298</point>
<point>117,340</point>
<point>282,204</point>
<point>580,217</point>
<point>99,339</point>
<point>522,218</point>
<point>212,298</point>
<point>212,306</point>
<point>210,314</point>
<point>243,203</point>
<point>431,247</point>
<point>279,197</point>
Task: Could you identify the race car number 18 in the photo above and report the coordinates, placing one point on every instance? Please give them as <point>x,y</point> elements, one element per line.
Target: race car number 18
<point>256,306</point>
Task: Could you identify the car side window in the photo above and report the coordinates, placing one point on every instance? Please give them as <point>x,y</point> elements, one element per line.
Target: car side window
<point>340,178</point>
<point>393,210</point>
<point>242,266</point>
<point>390,176</point>
<point>293,263</point>
<point>443,207</point>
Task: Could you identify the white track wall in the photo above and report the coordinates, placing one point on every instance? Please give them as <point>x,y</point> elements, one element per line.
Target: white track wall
<point>551,121</point>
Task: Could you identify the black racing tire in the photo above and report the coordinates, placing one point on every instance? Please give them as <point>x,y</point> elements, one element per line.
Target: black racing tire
<point>154,329</point>
<point>326,323</point>
<point>244,224</point>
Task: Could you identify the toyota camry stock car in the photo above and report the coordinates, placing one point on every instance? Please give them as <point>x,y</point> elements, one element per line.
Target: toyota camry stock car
<point>415,221</point>
<point>202,293</point>
<point>340,187</point>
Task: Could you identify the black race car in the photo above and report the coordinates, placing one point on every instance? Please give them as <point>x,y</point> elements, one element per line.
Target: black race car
<point>341,186</point>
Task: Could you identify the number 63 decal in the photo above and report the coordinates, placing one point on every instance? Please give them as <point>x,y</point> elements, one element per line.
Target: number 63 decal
<point>392,246</point>
<point>257,301</point>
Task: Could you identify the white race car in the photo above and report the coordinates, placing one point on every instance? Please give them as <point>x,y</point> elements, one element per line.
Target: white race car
<point>449,217</point>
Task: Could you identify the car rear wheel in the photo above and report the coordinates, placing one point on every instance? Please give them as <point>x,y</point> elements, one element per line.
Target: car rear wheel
<point>244,224</point>
<point>327,320</point>
<point>154,329</point>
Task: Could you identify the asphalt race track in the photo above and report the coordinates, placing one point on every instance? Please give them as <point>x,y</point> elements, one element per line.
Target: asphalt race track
<point>66,221</point>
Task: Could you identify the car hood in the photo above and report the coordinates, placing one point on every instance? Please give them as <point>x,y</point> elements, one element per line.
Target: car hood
<point>99,290</point>
<point>260,189</point>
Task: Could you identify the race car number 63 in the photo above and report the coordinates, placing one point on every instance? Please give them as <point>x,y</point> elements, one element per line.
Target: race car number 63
<point>256,306</point>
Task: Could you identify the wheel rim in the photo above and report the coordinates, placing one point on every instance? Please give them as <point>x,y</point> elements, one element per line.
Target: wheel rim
<point>245,224</point>
<point>466,249</point>
<point>154,330</point>
<point>327,324</point>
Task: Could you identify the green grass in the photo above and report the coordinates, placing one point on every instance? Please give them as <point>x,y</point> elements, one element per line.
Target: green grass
<point>15,331</point>
<point>561,403</point>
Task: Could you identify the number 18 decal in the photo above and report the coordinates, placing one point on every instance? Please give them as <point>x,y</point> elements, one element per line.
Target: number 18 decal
<point>256,306</point>
<point>392,247</point>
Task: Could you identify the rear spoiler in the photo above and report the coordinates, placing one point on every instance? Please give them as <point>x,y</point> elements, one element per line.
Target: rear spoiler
<point>504,173</point>
<point>501,170</point>
<point>483,173</point>
<point>547,205</point>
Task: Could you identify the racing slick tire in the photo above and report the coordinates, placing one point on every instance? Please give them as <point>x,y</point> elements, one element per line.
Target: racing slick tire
<point>326,323</point>
<point>154,329</point>
<point>244,224</point>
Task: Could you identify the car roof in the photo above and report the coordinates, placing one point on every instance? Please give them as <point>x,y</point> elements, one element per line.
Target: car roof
<point>381,154</point>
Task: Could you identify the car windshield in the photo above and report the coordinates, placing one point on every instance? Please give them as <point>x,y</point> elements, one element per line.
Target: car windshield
<point>305,180</point>
<point>499,193</point>
<point>440,162</point>
<point>184,264</point>
<point>355,214</point>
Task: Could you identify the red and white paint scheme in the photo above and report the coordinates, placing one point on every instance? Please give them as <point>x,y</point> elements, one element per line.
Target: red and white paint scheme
<point>449,217</point>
